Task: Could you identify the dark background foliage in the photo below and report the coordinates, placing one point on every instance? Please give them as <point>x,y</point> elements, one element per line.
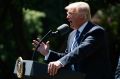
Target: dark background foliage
<point>21,21</point>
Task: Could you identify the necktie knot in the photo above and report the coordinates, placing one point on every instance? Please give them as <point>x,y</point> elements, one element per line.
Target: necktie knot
<point>77,34</point>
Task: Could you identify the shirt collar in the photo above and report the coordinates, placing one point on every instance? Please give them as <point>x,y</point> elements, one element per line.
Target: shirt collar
<point>82,26</point>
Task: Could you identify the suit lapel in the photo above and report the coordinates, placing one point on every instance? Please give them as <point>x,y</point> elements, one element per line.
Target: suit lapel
<point>85,30</point>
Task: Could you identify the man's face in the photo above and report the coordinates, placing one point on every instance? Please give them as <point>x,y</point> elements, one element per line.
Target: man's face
<point>75,19</point>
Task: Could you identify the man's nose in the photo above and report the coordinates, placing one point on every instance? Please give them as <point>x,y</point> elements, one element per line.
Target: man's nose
<point>67,17</point>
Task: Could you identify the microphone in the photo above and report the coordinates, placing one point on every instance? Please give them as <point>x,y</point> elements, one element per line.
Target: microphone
<point>61,30</point>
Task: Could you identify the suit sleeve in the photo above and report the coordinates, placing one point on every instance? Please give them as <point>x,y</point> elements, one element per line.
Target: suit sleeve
<point>91,42</point>
<point>53,56</point>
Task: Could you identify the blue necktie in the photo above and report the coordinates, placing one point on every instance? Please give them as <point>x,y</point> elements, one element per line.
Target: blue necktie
<point>75,44</point>
<point>76,39</point>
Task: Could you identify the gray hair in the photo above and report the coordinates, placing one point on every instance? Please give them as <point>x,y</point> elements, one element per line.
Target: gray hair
<point>81,7</point>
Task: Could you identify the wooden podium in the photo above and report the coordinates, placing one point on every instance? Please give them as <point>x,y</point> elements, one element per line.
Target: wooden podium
<point>28,69</point>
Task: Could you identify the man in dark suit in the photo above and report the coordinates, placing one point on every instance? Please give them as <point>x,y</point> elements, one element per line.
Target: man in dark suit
<point>87,49</point>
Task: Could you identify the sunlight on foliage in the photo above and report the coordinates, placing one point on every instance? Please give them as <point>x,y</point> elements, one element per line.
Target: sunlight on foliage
<point>112,18</point>
<point>33,22</point>
<point>32,19</point>
<point>109,18</point>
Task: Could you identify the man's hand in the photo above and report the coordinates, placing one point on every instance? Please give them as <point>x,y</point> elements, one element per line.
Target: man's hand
<point>53,67</point>
<point>43,47</point>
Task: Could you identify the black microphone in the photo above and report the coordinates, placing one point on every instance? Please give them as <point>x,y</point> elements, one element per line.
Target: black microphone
<point>61,30</point>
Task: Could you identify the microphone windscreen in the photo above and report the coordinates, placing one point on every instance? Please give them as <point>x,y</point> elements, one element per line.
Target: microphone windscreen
<point>63,26</point>
<point>63,29</point>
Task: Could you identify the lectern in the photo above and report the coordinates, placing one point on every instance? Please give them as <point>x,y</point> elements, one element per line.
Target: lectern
<point>28,69</point>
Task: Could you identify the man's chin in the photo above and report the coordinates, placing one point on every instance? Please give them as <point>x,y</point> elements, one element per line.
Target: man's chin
<point>72,26</point>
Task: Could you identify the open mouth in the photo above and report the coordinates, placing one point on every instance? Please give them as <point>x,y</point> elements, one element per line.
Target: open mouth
<point>70,21</point>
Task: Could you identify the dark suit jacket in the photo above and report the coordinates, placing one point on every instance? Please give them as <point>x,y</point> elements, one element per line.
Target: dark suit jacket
<point>91,56</point>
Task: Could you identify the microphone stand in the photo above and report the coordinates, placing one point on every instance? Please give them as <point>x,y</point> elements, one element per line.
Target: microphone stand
<point>34,52</point>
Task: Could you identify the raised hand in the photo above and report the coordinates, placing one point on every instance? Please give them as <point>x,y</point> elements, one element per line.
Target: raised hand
<point>43,47</point>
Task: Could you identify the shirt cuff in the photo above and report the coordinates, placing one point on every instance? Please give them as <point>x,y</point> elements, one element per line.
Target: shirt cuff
<point>61,63</point>
<point>46,57</point>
